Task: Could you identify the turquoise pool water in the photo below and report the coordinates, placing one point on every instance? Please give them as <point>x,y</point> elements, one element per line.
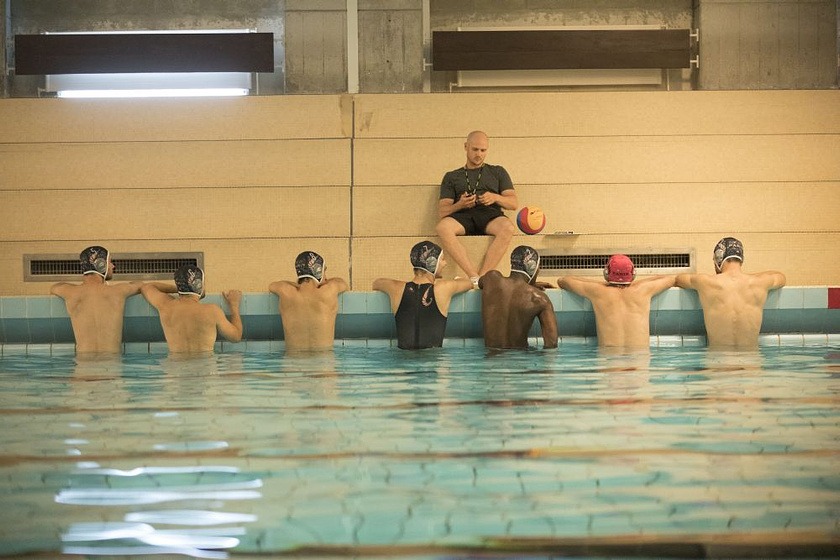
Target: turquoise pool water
<point>439,453</point>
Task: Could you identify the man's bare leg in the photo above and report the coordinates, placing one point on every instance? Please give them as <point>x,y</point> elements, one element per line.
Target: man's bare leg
<point>502,231</point>
<point>448,229</point>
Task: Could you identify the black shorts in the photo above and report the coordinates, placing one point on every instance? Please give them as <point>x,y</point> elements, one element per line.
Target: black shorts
<point>475,220</point>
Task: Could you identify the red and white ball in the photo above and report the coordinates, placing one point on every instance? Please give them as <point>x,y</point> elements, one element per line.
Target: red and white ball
<point>530,220</point>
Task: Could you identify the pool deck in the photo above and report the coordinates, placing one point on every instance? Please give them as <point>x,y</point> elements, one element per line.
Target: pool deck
<point>793,316</point>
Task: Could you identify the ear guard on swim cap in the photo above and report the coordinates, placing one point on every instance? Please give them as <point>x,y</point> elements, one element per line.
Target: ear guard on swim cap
<point>728,248</point>
<point>426,256</point>
<point>619,270</point>
<point>190,280</point>
<point>95,260</point>
<point>310,264</point>
<point>525,260</point>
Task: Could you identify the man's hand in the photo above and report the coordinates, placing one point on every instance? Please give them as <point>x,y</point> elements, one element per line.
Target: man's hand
<point>543,285</point>
<point>487,198</point>
<point>466,201</point>
<point>233,297</point>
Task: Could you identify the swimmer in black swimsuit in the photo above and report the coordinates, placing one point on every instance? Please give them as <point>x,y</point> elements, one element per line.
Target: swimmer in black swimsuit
<point>420,307</point>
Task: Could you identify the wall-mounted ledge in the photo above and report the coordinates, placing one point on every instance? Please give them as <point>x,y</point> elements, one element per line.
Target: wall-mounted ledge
<point>366,316</point>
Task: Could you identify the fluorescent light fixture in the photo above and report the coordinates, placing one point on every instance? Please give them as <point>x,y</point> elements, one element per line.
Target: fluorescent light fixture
<point>152,31</point>
<point>190,92</point>
<point>151,84</point>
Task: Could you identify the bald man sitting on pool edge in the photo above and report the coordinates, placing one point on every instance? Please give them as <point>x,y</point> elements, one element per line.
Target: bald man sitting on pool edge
<point>472,200</point>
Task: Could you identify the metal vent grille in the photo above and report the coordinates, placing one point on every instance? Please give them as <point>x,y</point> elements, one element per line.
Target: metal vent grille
<point>664,262</point>
<point>127,266</point>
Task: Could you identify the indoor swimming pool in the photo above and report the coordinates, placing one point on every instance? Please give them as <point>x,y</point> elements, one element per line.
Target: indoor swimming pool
<point>447,452</point>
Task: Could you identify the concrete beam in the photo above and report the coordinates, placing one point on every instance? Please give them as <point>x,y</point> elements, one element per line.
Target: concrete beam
<point>4,35</point>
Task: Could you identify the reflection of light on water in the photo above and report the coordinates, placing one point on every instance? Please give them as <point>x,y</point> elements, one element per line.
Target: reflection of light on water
<point>191,446</point>
<point>162,470</point>
<point>136,497</point>
<point>137,535</point>
<point>190,517</point>
<point>142,551</point>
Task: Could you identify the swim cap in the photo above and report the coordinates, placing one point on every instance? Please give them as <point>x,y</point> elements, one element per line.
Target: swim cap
<point>190,280</point>
<point>728,248</point>
<point>426,256</point>
<point>525,260</point>
<point>619,270</point>
<point>310,264</point>
<point>95,260</point>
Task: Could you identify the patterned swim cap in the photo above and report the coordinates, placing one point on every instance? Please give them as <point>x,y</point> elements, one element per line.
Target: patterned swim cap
<point>190,280</point>
<point>525,260</point>
<point>426,256</point>
<point>310,264</point>
<point>95,260</point>
<point>728,248</point>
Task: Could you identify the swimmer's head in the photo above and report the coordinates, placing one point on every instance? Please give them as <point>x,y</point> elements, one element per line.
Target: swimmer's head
<point>525,260</point>
<point>728,248</point>
<point>97,260</point>
<point>619,270</point>
<point>309,264</point>
<point>427,256</point>
<point>190,280</point>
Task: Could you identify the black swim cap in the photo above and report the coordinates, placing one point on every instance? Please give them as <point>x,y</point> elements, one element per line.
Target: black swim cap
<point>526,260</point>
<point>190,280</point>
<point>95,260</point>
<point>310,264</point>
<point>426,256</point>
<point>728,248</point>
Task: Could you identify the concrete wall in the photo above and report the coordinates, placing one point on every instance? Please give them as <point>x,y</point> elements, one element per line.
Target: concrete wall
<point>768,44</point>
<point>253,181</point>
<point>316,46</point>
<point>390,46</point>
<point>4,67</point>
<point>35,16</point>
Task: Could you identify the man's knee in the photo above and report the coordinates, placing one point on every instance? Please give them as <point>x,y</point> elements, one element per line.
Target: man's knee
<point>447,227</point>
<point>504,229</point>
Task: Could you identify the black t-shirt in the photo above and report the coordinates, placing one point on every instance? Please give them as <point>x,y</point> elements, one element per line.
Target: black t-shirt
<point>492,178</point>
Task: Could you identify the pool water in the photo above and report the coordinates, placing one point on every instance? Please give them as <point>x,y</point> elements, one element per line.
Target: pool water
<point>439,452</point>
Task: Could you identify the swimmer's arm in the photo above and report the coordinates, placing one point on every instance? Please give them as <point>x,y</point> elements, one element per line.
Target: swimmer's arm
<point>281,286</point>
<point>548,325</point>
<point>656,284</point>
<point>231,330</point>
<point>392,288</point>
<point>580,286</point>
<point>687,281</point>
<point>61,289</point>
<point>336,285</point>
<point>772,279</point>
<point>154,295</point>
<point>389,286</point>
<point>483,280</point>
<point>133,288</point>
<point>456,286</point>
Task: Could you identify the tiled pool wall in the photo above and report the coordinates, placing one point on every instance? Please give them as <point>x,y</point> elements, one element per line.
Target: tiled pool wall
<point>792,315</point>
